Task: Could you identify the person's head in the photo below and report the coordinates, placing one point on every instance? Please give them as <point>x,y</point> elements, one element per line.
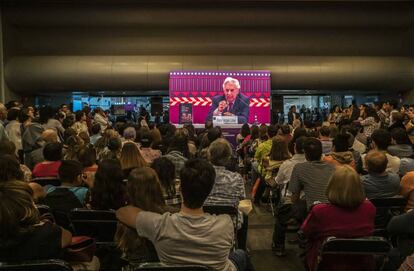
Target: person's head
<point>285,129</point>
<point>254,132</point>
<point>24,115</point>
<point>50,136</point>
<point>130,133</point>
<point>325,131</point>
<point>7,147</point>
<point>155,136</point>
<point>335,109</point>
<point>213,134</point>
<point>3,112</point>
<point>231,88</point>
<point>400,136</point>
<point>279,150</point>
<point>96,129</point>
<point>13,114</point>
<point>46,113</point>
<point>145,138</point>
<point>245,130</point>
<point>263,132</point>
<point>131,157</point>
<point>107,192</point>
<point>114,144</point>
<point>80,115</point>
<point>272,130</point>
<point>313,149</point>
<point>165,170</point>
<point>392,105</point>
<point>197,180</point>
<point>144,190</point>
<point>345,188</point>
<point>381,139</point>
<point>10,169</point>
<point>299,145</point>
<point>296,123</point>
<point>87,156</point>
<point>340,143</point>
<point>64,108</point>
<point>376,162</point>
<point>179,142</point>
<point>293,109</point>
<point>18,214</point>
<point>219,152</point>
<point>371,112</point>
<point>52,151</point>
<point>70,172</point>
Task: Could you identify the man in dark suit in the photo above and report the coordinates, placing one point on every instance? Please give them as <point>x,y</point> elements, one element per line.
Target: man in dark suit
<point>231,103</point>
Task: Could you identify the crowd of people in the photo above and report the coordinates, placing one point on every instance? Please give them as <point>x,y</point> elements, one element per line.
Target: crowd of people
<point>159,177</point>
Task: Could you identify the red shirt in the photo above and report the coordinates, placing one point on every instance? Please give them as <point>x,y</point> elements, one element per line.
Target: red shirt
<point>46,169</point>
<point>327,220</point>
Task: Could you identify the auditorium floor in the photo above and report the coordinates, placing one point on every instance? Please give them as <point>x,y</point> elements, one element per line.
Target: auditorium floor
<point>259,242</point>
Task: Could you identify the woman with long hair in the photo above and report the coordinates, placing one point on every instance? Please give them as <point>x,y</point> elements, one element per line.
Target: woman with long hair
<point>369,120</point>
<point>347,215</point>
<point>131,158</point>
<point>144,192</point>
<point>108,191</point>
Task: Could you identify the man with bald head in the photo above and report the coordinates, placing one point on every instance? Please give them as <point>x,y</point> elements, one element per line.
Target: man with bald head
<point>379,183</point>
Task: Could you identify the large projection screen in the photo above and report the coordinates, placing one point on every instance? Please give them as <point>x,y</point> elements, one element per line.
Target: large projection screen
<point>198,96</point>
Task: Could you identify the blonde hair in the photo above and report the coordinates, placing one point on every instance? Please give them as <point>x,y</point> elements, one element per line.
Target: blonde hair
<point>345,188</point>
<point>131,156</point>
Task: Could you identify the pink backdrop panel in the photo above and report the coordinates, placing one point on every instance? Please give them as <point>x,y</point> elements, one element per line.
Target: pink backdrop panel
<point>198,87</point>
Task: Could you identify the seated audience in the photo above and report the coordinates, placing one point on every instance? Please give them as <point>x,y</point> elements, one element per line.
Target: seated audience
<point>80,125</point>
<point>73,144</point>
<point>48,169</point>
<point>312,178</point>
<point>407,189</point>
<point>279,153</point>
<point>347,215</point>
<point>131,158</point>
<point>401,146</point>
<point>148,153</point>
<point>70,194</point>
<point>87,157</point>
<point>381,140</point>
<point>324,137</point>
<point>340,154</point>
<point>144,192</point>
<point>10,169</point>
<point>96,133</point>
<point>23,236</point>
<point>113,150</point>
<point>178,152</point>
<point>108,191</point>
<point>169,184</point>
<point>129,134</point>
<point>48,136</point>
<point>8,148</point>
<point>178,237</point>
<point>379,183</point>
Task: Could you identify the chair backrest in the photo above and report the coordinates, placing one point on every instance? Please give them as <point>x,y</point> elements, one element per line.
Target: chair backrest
<point>348,252</point>
<point>46,265</point>
<point>397,202</point>
<point>372,245</point>
<point>98,224</point>
<point>164,267</point>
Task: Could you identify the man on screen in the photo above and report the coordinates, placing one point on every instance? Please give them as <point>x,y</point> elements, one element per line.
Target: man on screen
<point>232,103</point>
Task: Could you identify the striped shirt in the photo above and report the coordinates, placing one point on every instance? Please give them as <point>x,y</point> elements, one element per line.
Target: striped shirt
<point>312,177</point>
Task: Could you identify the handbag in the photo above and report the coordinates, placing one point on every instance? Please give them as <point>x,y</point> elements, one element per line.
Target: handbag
<point>82,249</point>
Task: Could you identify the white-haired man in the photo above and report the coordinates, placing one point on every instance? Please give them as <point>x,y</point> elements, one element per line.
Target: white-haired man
<point>231,103</point>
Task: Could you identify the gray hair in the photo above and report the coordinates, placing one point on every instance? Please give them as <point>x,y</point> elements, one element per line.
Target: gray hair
<point>232,80</point>
<point>219,152</point>
<point>130,133</point>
